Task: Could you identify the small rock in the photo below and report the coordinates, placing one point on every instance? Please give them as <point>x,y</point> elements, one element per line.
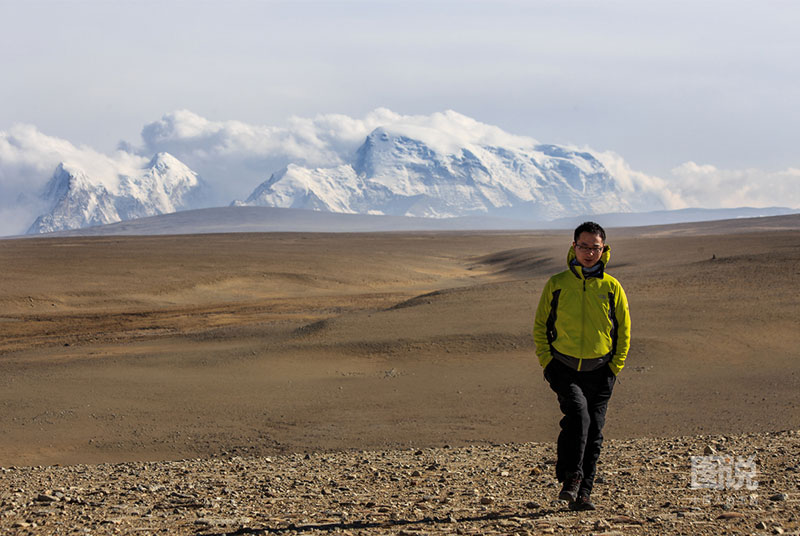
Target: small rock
<point>601,524</point>
<point>761,525</point>
<point>487,500</point>
<point>532,505</point>
<point>709,450</point>
<point>42,497</point>
<point>416,473</point>
<point>777,530</point>
<point>730,515</point>
<point>778,497</point>
<point>623,519</point>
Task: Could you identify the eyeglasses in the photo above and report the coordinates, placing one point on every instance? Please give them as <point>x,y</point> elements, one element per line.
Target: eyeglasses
<point>589,249</point>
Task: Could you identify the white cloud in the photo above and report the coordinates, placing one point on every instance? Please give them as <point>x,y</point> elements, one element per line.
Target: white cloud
<point>28,155</point>
<point>648,191</point>
<point>188,135</point>
<point>447,132</point>
<point>710,187</point>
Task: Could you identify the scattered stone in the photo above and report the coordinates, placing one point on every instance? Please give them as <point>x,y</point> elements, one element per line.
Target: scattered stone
<point>351,492</point>
<point>601,524</point>
<point>730,515</point>
<point>623,519</point>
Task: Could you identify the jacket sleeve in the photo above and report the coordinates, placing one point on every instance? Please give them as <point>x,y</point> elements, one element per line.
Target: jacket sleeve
<point>540,325</point>
<point>623,331</point>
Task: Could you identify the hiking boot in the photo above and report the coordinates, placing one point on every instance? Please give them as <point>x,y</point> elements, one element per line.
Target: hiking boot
<point>582,503</point>
<point>569,492</point>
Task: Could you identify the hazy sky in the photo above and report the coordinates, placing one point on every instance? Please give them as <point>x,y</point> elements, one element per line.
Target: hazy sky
<point>660,83</point>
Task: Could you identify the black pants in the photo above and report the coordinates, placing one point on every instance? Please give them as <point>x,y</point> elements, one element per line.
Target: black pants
<point>583,398</point>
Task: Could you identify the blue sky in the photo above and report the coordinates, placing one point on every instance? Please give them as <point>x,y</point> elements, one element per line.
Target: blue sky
<point>662,84</point>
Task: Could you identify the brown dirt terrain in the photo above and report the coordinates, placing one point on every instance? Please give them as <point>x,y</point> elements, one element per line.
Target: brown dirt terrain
<point>149,348</point>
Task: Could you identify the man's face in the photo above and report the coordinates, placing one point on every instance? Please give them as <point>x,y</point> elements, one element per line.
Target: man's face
<point>588,249</point>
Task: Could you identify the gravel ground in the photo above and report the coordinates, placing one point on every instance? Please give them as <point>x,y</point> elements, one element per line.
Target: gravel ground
<point>644,487</point>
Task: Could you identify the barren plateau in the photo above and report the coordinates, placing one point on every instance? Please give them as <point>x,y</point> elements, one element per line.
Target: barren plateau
<point>230,348</point>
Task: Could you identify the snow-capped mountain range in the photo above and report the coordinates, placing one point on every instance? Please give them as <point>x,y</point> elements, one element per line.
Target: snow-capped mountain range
<point>394,174</point>
<point>442,165</point>
<point>76,200</point>
<point>397,170</point>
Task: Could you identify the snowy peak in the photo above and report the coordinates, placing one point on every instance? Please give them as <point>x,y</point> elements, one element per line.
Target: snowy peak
<point>391,159</point>
<point>582,171</point>
<point>325,189</point>
<point>74,202</point>
<point>171,170</point>
<point>164,186</point>
<point>77,200</point>
<point>63,182</point>
<point>395,174</point>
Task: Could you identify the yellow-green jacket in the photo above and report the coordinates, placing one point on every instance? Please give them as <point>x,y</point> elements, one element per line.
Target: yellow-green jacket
<point>583,317</point>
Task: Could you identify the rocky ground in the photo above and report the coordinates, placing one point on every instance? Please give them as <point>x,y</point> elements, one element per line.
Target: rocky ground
<point>644,487</point>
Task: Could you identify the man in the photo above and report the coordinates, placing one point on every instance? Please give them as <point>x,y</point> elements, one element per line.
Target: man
<point>582,335</point>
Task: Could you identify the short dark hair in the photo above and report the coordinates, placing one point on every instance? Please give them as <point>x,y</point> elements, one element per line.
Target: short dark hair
<point>590,227</point>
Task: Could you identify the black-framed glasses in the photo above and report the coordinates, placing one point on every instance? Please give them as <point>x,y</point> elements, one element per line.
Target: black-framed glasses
<point>589,249</point>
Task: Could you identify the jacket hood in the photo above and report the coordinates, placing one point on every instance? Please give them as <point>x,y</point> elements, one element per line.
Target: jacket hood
<point>572,260</point>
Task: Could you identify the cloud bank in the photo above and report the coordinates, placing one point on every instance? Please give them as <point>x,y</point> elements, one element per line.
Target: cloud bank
<point>233,157</point>
<point>706,186</point>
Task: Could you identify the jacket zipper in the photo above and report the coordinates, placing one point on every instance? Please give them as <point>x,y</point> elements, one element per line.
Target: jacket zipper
<point>583,324</point>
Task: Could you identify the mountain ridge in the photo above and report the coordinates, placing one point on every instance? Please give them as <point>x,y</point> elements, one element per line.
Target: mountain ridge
<point>394,174</point>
